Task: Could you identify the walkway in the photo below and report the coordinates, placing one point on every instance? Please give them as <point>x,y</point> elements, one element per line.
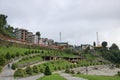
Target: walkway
<point>70,77</point>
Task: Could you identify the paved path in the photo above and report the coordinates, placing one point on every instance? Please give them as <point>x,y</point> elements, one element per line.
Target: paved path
<point>31,77</point>
<point>70,77</point>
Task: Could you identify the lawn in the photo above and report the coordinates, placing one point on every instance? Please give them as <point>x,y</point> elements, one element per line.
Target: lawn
<point>12,50</point>
<point>30,59</point>
<point>52,77</point>
<point>96,77</point>
<point>56,65</point>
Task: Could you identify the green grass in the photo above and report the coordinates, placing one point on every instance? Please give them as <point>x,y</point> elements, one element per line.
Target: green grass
<point>96,77</point>
<point>52,77</point>
<point>12,50</point>
<point>58,64</point>
<point>29,60</point>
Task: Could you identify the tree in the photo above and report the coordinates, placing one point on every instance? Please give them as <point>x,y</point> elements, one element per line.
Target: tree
<point>19,73</point>
<point>29,70</point>
<point>8,56</point>
<point>3,22</point>
<point>38,34</point>
<point>17,54</point>
<point>114,47</point>
<point>2,61</point>
<point>14,66</point>
<point>35,69</point>
<point>104,44</point>
<point>47,71</point>
<point>94,44</point>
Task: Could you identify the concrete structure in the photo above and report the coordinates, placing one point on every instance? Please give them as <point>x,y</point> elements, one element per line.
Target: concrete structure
<point>85,46</point>
<point>34,39</point>
<point>70,59</point>
<point>21,34</point>
<point>46,41</point>
<point>29,37</point>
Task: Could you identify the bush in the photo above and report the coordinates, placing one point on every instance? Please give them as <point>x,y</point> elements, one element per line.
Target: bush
<point>41,70</point>
<point>117,66</point>
<point>17,54</point>
<point>14,66</point>
<point>35,69</point>
<point>19,73</point>
<point>0,68</point>
<point>67,70</point>
<point>8,56</point>
<point>72,72</point>
<point>29,70</point>
<point>2,61</point>
<point>78,72</point>
<point>118,73</point>
<point>47,71</point>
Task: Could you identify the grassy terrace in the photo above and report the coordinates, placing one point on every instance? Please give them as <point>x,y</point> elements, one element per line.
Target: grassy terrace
<point>30,59</point>
<point>52,77</point>
<point>55,65</point>
<point>12,50</point>
<point>96,77</point>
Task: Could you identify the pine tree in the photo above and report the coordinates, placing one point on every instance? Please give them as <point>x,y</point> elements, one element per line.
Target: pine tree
<point>47,71</point>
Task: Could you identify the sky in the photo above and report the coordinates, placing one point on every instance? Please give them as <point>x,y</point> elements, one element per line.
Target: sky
<point>77,20</point>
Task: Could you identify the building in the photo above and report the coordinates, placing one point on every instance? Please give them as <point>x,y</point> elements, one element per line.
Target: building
<point>21,34</point>
<point>29,37</point>
<point>34,39</point>
<point>85,46</point>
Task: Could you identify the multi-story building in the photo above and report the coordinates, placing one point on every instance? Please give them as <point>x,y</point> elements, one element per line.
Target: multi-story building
<point>29,37</point>
<point>46,41</point>
<point>34,39</point>
<point>21,34</point>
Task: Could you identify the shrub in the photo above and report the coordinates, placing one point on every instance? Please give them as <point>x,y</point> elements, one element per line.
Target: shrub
<point>8,56</point>
<point>118,73</point>
<point>41,70</point>
<point>0,68</point>
<point>14,66</point>
<point>78,72</point>
<point>55,68</point>
<point>47,71</point>
<point>13,55</point>
<point>19,73</point>
<point>2,61</point>
<point>117,66</point>
<point>67,70</point>
<point>72,72</point>
<point>29,70</point>
<point>17,54</point>
<point>35,69</point>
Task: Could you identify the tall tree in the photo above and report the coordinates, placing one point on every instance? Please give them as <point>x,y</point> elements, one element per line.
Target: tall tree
<point>114,47</point>
<point>104,44</point>
<point>8,56</point>
<point>38,34</point>
<point>94,44</point>
<point>3,22</point>
<point>47,71</point>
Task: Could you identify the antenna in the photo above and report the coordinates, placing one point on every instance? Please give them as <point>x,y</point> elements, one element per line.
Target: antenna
<point>98,43</point>
<point>60,37</point>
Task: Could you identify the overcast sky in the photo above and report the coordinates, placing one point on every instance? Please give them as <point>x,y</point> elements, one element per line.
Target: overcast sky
<point>77,20</point>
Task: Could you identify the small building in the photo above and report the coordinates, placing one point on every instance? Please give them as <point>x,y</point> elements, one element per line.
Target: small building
<point>21,34</point>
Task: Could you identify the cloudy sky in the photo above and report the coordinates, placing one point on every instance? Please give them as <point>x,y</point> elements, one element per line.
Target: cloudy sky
<point>77,20</point>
